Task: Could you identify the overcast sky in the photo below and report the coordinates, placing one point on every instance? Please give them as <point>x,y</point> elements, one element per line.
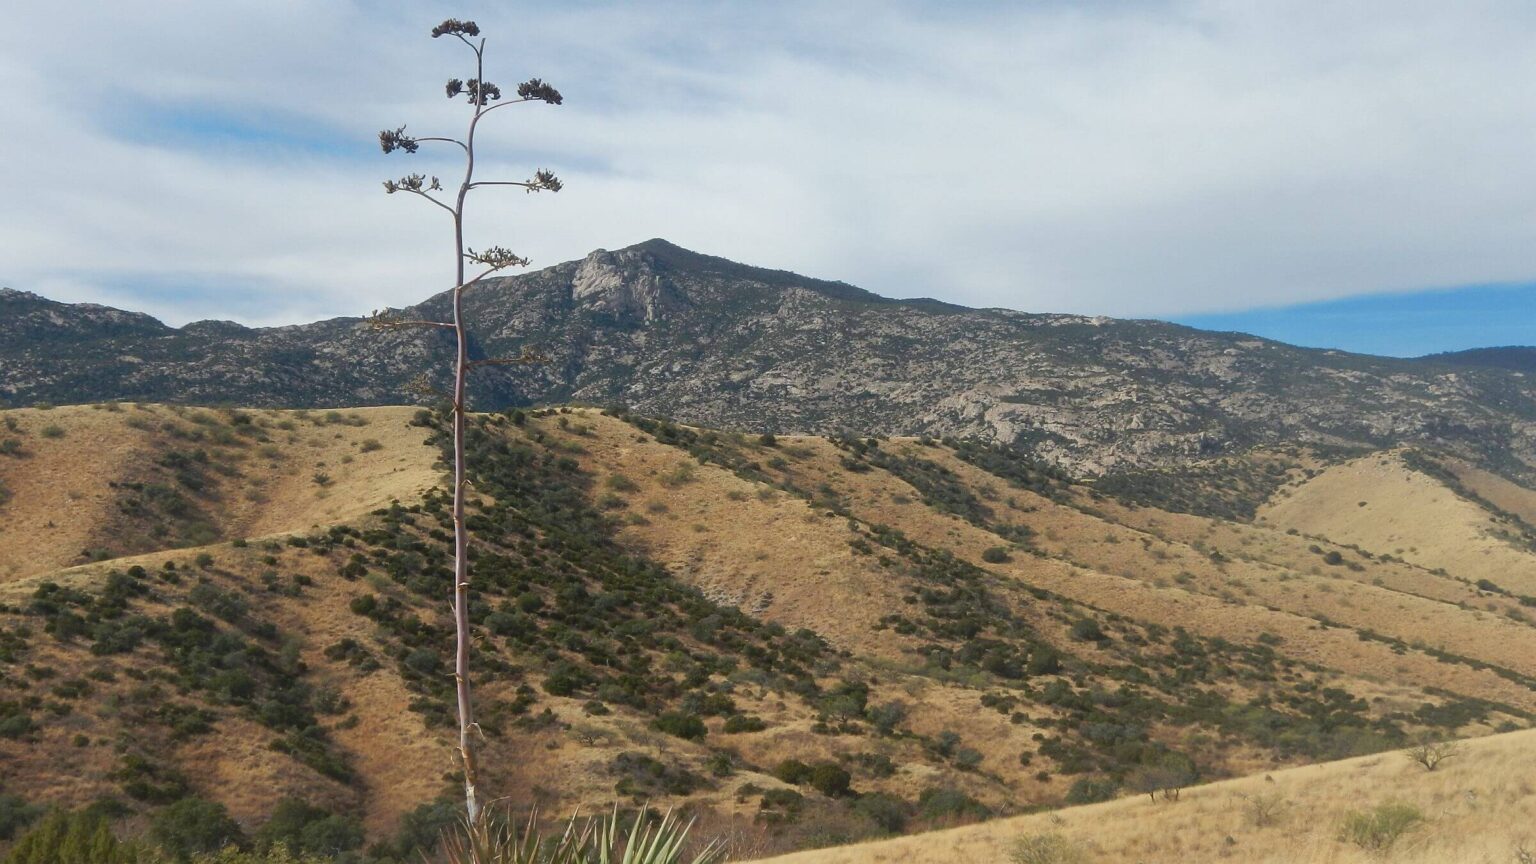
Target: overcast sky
<point>219,159</point>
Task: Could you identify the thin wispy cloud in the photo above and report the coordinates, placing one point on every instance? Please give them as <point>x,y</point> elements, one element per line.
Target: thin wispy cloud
<point>218,160</point>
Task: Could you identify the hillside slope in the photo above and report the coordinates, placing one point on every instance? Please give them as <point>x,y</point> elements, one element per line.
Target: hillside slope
<point>1478,807</point>
<point>712,342</point>
<point>682,615</point>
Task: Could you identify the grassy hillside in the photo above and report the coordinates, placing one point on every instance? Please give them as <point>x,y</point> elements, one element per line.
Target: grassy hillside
<point>1477,807</point>
<point>809,641</point>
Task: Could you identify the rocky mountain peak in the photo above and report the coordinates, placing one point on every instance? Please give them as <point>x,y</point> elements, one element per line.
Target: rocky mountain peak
<point>629,284</point>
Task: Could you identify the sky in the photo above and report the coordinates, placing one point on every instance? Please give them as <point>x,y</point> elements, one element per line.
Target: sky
<point>1346,174</point>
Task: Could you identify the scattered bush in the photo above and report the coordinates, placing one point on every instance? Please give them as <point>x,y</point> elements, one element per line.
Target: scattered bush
<point>1378,829</point>
<point>15,814</point>
<point>830,779</point>
<point>1087,790</point>
<point>1047,849</point>
<point>686,726</point>
<point>995,555</point>
<point>1430,754</point>
<point>1087,630</point>
<point>193,825</point>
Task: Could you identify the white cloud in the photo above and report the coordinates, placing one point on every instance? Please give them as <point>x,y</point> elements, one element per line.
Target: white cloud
<point>1129,159</point>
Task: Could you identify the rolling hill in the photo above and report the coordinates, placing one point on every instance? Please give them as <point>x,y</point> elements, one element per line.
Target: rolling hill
<point>810,640</point>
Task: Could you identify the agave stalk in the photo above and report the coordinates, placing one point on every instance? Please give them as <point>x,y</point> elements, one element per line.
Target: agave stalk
<point>480,94</point>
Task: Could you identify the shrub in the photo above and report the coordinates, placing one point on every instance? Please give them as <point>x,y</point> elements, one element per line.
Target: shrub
<point>945,804</point>
<point>1431,753</point>
<point>1047,849</point>
<point>792,771</point>
<point>1090,791</point>
<point>1266,808</point>
<point>641,776</point>
<point>370,444</point>
<point>737,723</point>
<point>885,810</point>
<point>1087,630</point>
<point>52,431</point>
<point>193,825</point>
<point>995,555</point>
<point>620,483</point>
<point>830,779</point>
<point>686,726</point>
<point>15,814</point>
<point>967,759</point>
<point>780,805</point>
<point>62,835</point>
<point>1378,829</point>
<point>216,601</point>
<point>887,716</point>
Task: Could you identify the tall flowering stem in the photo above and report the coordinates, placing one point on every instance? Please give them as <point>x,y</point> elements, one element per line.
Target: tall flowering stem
<point>482,98</point>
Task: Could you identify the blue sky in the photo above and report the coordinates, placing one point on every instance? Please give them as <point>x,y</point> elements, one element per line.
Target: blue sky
<point>1180,159</point>
<point>1398,325</point>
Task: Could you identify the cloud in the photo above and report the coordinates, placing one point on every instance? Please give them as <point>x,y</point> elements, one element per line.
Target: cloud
<point>1127,159</point>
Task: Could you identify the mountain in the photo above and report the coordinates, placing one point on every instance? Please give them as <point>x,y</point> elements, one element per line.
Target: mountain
<point>713,342</point>
<point>1515,358</point>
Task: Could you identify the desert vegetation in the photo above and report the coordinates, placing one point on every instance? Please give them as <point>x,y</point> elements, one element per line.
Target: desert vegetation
<point>631,647</point>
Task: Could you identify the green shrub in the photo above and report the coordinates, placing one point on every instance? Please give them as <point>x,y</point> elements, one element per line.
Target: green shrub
<point>193,825</point>
<point>1087,630</point>
<point>885,810</point>
<point>52,431</point>
<point>737,723</point>
<point>1047,849</point>
<point>792,771</point>
<point>1090,791</point>
<point>61,836</point>
<point>15,814</point>
<point>686,726</point>
<point>299,827</point>
<point>942,804</point>
<point>830,779</point>
<point>995,555</point>
<point>369,445</point>
<point>780,805</point>
<point>1378,829</point>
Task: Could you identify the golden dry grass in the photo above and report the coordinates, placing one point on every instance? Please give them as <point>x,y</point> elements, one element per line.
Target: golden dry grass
<point>1479,808</point>
<point>63,500</point>
<point>1376,502</point>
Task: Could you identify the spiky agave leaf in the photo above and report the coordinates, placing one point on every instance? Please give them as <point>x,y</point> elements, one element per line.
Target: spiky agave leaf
<point>595,840</point>
<point>646,842</point>
<point>498,841</point>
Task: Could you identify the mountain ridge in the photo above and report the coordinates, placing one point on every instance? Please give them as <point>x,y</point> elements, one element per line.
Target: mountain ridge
<point>709,341</point>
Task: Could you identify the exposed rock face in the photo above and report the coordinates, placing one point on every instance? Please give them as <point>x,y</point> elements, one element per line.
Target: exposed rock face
<point>705,340</point>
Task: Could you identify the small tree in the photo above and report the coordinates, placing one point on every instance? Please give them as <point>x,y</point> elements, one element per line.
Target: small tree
<point>1431,753</point>
<point>483,97</point>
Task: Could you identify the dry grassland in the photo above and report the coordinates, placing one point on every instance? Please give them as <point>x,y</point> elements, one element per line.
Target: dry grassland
<point>1478,808</point>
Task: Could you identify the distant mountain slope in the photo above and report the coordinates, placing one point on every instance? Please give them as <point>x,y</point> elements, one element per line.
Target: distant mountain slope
<point>1515,358</point>
<point>668,331</point>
